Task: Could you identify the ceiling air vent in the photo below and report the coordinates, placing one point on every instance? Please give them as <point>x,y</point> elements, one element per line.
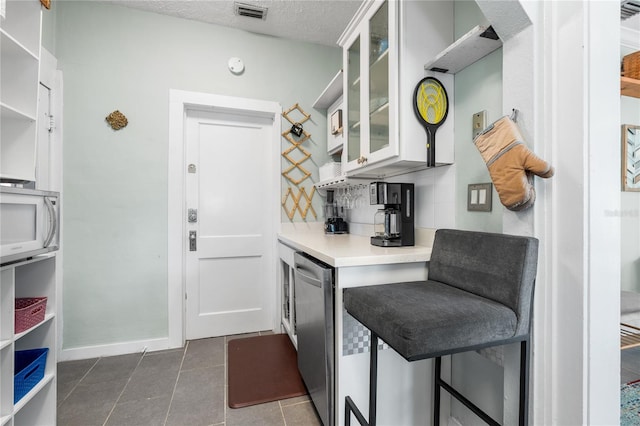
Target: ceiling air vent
<point>628,8</point>
<point>250,10</point>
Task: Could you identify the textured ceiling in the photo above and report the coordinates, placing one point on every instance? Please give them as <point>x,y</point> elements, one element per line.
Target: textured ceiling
<point>315,21</point>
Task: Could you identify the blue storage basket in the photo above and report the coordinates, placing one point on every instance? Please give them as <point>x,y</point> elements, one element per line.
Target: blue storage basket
<point>28,370</point>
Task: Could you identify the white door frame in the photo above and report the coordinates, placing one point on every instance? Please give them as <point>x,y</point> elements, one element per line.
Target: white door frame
<point>179,103</point>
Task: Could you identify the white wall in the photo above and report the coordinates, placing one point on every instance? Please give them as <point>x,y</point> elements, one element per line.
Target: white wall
<point>115,186</point>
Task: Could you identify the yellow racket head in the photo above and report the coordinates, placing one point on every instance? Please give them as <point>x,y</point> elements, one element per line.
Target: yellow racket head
<point>431,103</point>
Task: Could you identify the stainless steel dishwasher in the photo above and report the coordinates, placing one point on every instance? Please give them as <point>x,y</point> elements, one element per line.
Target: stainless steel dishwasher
<point>314,325</point>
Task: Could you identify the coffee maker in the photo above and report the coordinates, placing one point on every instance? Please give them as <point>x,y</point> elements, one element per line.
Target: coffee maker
<point>393,224</point>
<point>334,221</point>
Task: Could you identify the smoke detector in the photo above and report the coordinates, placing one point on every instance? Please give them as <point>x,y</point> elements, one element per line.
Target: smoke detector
<point>628,8</point>
<point>250,10</point>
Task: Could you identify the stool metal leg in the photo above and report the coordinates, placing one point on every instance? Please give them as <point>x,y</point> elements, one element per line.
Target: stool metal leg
<point>525,352</point>
<point>350,406</point>
<point>436,392</point>
<point>373,379</point>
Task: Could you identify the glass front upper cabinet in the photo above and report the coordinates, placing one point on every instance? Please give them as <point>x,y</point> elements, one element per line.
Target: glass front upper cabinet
<point>379,79</point>
<point>353,101</point>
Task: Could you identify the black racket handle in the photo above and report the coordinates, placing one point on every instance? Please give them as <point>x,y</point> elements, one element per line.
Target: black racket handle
<point>431,146</point>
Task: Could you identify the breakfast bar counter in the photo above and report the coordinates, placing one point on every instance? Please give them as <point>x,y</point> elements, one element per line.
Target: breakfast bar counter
<point>341,250</point>
<point>404,388</point>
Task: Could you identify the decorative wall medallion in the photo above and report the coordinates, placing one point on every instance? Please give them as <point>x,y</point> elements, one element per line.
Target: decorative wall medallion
<point>117,120</point>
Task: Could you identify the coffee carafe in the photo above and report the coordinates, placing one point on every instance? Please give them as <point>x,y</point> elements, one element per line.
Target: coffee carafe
<point>334,220</point>
<point>393,224</point>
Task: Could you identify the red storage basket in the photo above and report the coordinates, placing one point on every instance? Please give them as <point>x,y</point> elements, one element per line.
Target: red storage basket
<point>29,312</point>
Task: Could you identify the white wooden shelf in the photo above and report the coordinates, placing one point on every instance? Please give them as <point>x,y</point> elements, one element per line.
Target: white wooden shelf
<point>4,420</point>
<point>47,318</point>
<point>19,78</point>
<point>332,92</point>
<point>341,182</point>
<point>4,343</point>
<point>629,87</point>
<point>468,49</point>
<point>7,112</point>
<point>33,392</point>
<point>12,47</point>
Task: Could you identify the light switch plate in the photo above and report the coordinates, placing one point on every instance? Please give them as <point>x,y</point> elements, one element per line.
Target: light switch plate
<point>479,122</point>
<point>479,197</point>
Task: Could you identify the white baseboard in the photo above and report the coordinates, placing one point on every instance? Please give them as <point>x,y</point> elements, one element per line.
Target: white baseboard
<point>86,352</point>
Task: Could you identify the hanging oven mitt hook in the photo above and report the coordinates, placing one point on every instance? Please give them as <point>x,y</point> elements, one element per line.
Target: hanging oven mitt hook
<point>514,115</point>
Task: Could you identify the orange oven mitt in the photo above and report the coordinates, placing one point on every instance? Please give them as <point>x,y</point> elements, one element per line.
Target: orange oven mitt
<point>511,164</point>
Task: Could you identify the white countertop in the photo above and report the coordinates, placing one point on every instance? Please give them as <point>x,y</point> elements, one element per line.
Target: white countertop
<point>350,249</point>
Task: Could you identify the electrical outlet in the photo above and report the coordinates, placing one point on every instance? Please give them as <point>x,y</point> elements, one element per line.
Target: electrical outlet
<point>479,122</point>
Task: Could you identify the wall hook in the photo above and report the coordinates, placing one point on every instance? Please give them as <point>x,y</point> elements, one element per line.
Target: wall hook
<point>514,115</point>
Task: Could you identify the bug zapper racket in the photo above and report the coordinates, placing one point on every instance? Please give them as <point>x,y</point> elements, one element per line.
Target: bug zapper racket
<point>431,106</point>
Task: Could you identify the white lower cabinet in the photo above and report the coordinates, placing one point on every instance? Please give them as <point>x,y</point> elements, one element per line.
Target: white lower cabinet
<point>31,278</point>
<point>286,280</point>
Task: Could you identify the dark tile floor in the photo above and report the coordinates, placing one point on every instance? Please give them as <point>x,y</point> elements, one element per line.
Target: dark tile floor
<point>629,365</point>
<point>175,387</point>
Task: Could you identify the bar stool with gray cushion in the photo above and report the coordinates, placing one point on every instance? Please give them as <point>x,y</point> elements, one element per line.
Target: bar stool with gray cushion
<point>478,294</point>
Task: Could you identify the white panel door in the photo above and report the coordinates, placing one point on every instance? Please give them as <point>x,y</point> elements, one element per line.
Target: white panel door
<point>228,288</point>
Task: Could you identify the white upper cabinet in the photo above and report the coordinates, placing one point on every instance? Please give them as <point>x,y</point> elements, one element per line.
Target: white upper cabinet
<point>384,48</point>
<point>19,67</point>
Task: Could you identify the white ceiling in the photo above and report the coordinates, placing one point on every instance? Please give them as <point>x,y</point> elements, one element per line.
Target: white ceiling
<point>314,21</point>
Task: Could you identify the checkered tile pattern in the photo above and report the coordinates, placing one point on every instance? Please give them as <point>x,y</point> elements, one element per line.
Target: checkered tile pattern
<point>355,336</point>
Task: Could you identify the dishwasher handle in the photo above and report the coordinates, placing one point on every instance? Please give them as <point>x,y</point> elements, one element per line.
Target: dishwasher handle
<point>308,278</point>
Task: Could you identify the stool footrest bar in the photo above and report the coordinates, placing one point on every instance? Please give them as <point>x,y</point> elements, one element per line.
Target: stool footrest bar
<point>470,405</point>
<point>350,407</point>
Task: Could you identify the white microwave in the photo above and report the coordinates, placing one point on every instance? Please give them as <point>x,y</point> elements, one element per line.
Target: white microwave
<point>29,223</point>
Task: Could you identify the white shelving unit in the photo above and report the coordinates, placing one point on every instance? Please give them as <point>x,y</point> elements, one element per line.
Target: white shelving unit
<point>30,278</point>
<point>332,92</point>
<point>331,100</point>
<point>19,78</point>
<point>20,29</point>
<point>469,48</point>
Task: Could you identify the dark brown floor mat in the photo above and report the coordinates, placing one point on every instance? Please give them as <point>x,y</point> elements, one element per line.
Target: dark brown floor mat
<point>262,369</point>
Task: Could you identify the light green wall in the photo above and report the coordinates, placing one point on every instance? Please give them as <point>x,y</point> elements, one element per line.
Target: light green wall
<point>629,209</point>
<point>115,183</point>
<point>477,87</point>
<point>49,28</point>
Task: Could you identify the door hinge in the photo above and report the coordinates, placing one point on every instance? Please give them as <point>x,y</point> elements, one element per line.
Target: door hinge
<point>52,124</point>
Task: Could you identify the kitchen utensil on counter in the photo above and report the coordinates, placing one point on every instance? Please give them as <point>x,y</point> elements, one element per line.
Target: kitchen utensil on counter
<point>394,223</point>
<point>334,216</point>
